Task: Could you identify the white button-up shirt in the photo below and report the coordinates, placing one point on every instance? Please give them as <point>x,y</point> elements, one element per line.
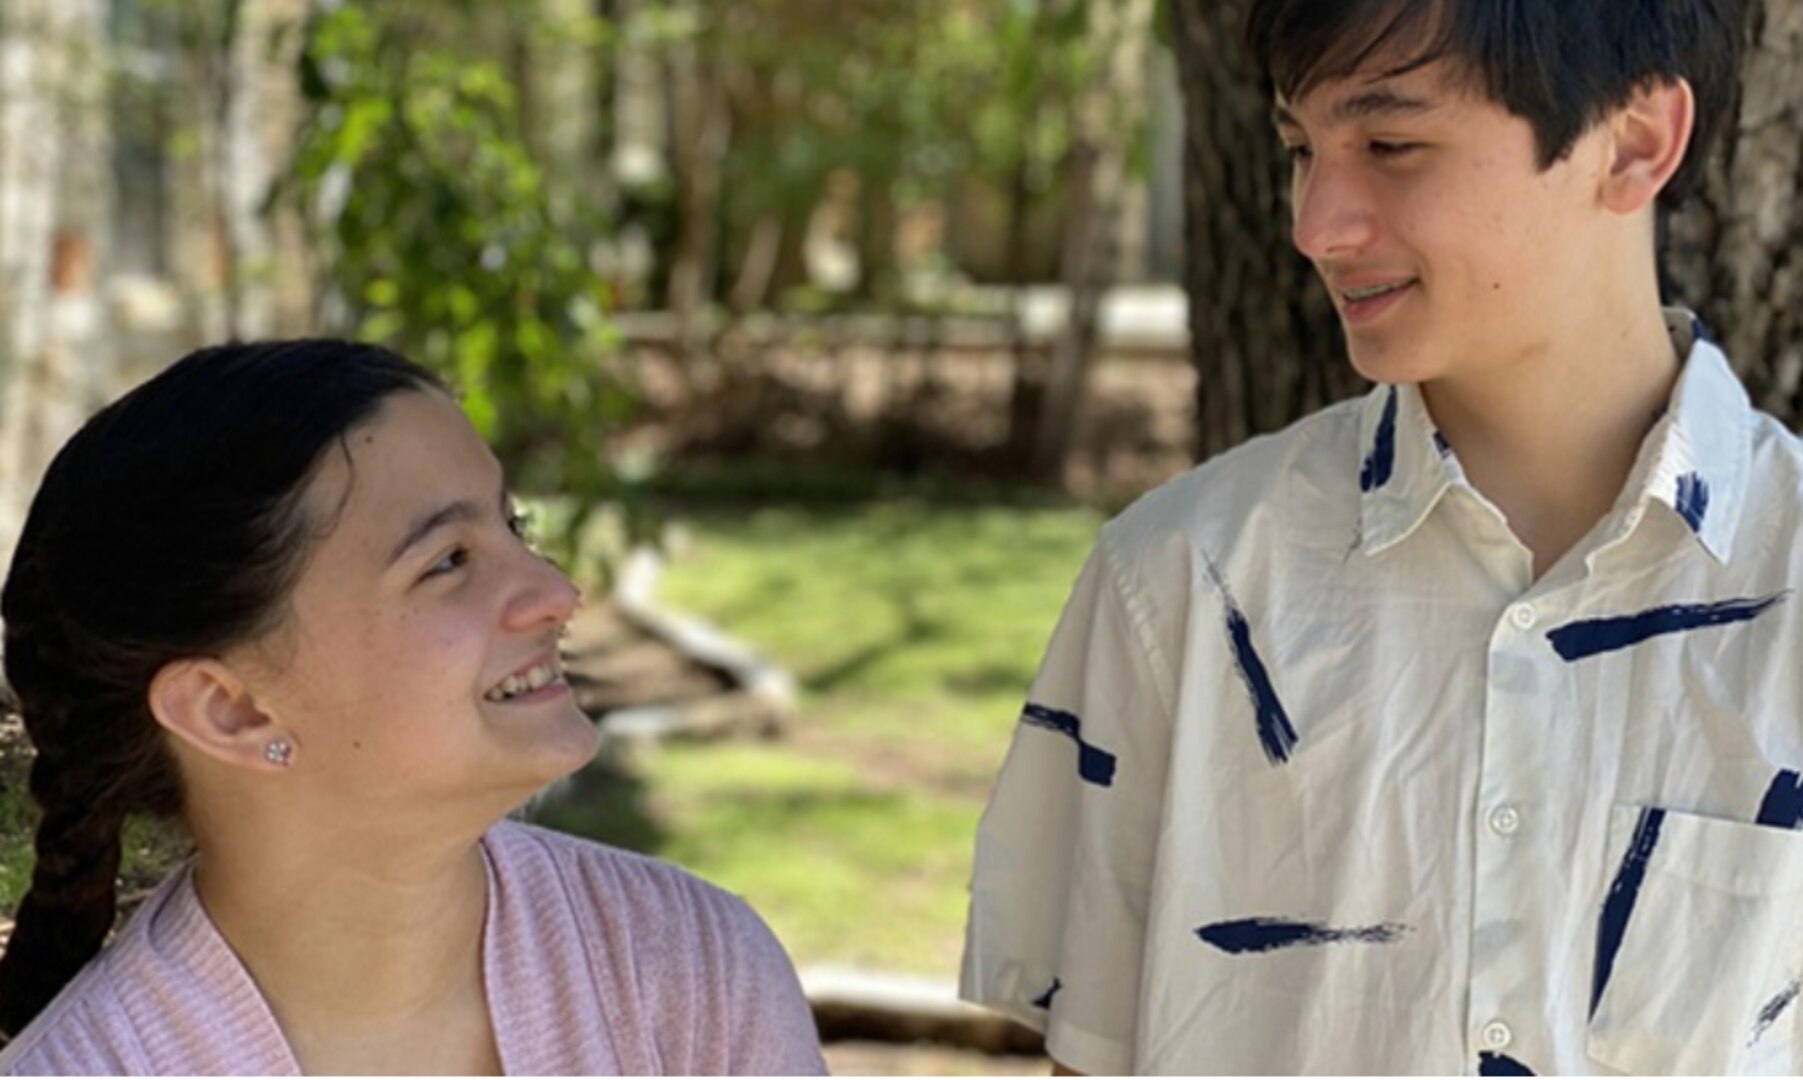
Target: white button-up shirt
<point>1316,777</point>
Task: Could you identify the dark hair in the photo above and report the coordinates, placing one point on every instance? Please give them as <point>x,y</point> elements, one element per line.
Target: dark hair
<point>170,526</point>
<point>1561,65</point>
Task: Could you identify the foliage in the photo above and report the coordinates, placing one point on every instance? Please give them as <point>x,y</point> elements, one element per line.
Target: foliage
<point>902,103</point>
<point>440,235</point>
<point>914,628</point>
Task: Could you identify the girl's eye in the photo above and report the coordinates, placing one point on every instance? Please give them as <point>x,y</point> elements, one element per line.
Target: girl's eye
<point>453,560</point>
<point>1299,152</point>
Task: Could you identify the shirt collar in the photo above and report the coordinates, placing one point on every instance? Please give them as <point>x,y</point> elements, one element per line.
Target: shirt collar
<point>1404,466</point>
<point>1694,461</point>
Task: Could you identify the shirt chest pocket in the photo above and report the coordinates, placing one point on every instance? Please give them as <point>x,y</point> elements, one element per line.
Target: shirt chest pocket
<point>1699,953</point>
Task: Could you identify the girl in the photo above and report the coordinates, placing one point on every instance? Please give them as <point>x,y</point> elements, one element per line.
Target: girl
<point>279,590</point>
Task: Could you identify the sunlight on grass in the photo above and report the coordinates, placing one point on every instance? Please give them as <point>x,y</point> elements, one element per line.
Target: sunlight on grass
<point>914,630</point>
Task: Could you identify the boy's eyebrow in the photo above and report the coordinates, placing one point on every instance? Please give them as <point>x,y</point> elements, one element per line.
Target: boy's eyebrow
<point>1380,101</point>
<point>449,514</point>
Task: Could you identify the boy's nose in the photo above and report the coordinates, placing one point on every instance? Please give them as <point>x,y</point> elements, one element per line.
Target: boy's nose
<point>1333,216</point>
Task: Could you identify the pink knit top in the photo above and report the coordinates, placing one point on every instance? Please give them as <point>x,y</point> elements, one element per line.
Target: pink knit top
<point>596,961</point>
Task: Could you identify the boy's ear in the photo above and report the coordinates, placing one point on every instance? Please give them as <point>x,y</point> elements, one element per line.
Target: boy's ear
<point>205,704</point>
<point>1648,138</point>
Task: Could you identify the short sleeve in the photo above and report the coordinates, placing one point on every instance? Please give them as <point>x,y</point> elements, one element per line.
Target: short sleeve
<point>1064,853</point>
<point>773,1032</point>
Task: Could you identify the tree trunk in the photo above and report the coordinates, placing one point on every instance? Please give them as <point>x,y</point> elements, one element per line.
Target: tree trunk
<point>1262,331</point>
<point>1108,118</point>
<point>55,208</point>
<point>1732,250</point>
<point>702,133</point>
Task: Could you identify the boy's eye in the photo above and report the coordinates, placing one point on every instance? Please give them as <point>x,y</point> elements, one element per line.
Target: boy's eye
<point>1299,151</point>
<point>1385,149</point>
<point>519,522</point>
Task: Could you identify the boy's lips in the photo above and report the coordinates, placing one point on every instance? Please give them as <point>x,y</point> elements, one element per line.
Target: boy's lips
<point>1361,303</point>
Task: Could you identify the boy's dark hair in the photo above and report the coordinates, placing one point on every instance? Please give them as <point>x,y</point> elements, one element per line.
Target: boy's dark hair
<point>1561,65</point>
<point>170,526</point>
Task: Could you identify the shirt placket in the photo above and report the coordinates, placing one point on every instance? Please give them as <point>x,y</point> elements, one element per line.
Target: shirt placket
<point>1506,1017</point>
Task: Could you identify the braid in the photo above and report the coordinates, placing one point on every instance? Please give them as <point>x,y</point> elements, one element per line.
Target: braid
<point>90,772</point>
<point>65,917</point>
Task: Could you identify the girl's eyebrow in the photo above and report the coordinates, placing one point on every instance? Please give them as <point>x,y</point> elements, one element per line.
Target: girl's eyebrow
<point>452,513</point>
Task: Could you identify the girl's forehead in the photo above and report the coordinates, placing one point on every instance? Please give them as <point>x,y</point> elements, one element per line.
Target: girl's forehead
<point>416,449</point>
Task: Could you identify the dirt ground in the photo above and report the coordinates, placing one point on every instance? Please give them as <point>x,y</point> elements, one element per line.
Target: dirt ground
<point>943,408</point>
<point>925,1059</point>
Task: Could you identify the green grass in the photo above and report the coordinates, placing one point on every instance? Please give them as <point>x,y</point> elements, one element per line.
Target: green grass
<point>914,629</point>
<point>16,823</point>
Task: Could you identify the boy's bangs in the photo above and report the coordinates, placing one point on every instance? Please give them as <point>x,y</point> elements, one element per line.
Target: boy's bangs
<point>1299,46</point>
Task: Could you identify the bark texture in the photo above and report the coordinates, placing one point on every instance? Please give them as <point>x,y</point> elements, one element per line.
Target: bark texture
<point>1262,331</point>
<point>1735,251</point>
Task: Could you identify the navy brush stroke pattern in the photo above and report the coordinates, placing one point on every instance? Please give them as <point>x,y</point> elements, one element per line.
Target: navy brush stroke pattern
<point>1622,894</point>
<point>1275,732</point>
<point>1377,467</point>
<point>1044,1001</point>
<point>1263,935</point>
<point>1593,637</point>
<point>1783,804</point>
<point>1440,444</point>
<point>1773,1010</point>
<point>1700,330</point>
<point>1692,500</point>
<point>1489,1064</point>
<point>1094,764</point>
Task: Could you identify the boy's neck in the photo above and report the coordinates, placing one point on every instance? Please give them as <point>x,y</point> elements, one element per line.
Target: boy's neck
<point>1550,437</point>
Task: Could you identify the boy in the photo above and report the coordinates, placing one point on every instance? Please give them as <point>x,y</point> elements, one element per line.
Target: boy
<point>1458,728</point>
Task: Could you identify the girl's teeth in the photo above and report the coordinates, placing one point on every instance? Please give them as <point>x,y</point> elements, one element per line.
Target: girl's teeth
<point>514,685</point>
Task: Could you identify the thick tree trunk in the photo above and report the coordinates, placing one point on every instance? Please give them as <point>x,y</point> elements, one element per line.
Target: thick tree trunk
<point>1735,251</point>
<point>1263,335</point>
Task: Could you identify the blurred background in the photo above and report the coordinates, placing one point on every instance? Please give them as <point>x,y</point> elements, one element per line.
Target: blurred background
<point>821,335</point>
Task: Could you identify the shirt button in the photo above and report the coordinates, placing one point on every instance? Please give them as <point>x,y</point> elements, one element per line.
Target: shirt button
<point>1523,616</point>
<point>1497,1035</point>
<point>1505,820</point>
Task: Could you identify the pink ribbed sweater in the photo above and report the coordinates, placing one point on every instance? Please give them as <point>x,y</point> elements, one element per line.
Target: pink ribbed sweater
<point>596,961</point>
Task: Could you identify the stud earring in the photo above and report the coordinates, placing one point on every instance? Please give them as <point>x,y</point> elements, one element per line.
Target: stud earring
<point>279,752</point>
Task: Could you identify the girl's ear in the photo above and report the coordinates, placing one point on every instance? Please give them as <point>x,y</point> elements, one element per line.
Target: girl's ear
<point>206,705</point>
<point>1649,136</point>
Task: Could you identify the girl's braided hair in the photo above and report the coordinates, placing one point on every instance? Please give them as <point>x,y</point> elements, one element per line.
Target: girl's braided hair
<point>170,526</point>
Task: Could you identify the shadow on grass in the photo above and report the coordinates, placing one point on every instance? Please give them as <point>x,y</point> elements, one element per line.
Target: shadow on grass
<point>916,630</point>
<point>604,801</point>
<point>989,679</point>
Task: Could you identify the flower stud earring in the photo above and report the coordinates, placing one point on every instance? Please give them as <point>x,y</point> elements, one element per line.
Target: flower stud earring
<point>279,752</point>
